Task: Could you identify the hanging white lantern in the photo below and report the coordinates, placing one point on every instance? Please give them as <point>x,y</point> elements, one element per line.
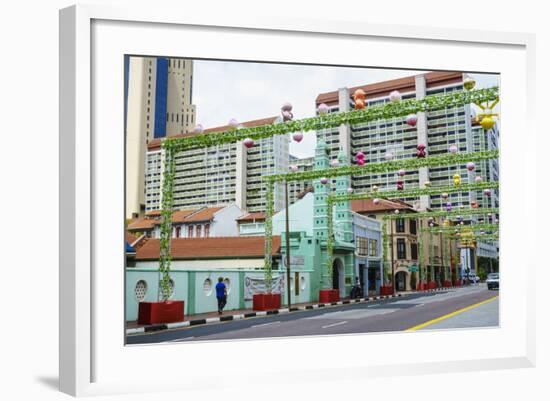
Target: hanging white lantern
<point>401,173</point>
<point>198,129</point>
<point>233,123</point>
<point>350,190</point>
<point>376,201</point>
<point>388,156</point>
<point>478,179</point>
<point>334,162</point>
<point>294,168</point>
<point>324,181</point>
<point>453,149</point>
<point>395,96</point>
<point>471,166</point>
<point>323,109</point>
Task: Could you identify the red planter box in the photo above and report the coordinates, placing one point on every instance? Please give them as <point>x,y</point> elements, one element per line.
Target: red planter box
<point>328,296</point>
<point>160,312</point>
<point>386,290</point>
<point>422,286</point>
<point>432,285</point>
<point>263,302</point>
<point>447,284</point>
<point>458,283</point>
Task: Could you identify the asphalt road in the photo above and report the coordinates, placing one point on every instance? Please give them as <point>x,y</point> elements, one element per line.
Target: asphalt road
<point>395,314</point>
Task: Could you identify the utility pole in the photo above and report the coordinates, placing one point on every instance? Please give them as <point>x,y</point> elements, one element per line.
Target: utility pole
<point>287,244</point>
<point>442,269</point>
<point>392,262</point>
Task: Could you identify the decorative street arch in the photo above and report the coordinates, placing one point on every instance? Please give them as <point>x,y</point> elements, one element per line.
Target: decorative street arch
<point>172,146</point>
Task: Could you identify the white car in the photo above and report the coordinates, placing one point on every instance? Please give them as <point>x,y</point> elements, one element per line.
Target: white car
<point>493,281</point>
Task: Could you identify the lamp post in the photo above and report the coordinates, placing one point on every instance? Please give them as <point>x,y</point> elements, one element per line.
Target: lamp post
<point>287,244</point>
<point>392,263</point>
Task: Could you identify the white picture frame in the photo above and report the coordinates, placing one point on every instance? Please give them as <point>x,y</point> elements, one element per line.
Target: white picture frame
<point>93,359</point>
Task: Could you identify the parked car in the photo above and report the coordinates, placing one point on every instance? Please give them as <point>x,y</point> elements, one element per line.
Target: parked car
<point>492,281</point>
<point>471,278</point>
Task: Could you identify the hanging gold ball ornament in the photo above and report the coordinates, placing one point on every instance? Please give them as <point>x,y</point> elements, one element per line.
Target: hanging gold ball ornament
<point>487,122</point>
<point>427,184</point>
<point>469,83</point>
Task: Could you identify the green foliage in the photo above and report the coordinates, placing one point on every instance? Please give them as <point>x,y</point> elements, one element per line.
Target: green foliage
<point>387,166</point>
<point>332,120</point>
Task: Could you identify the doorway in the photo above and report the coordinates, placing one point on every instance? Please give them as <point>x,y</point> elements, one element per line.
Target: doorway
<point>401,281</point>
<point>338,276</point>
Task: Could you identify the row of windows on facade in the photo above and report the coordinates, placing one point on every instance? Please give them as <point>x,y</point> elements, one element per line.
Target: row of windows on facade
<point>367,246</point>
<point>194,231</point>
<point>401,247</point>
<point>170,118</point>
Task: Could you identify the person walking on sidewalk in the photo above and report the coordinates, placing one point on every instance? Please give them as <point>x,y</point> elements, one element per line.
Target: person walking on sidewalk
<point>221,294</point>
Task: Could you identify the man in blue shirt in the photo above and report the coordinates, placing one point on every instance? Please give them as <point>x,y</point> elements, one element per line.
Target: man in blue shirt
<point>221,294</point>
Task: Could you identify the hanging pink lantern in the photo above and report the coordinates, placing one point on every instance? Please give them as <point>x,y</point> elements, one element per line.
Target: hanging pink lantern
<point>298,136</point>
<point>324,181</point>
<point>496,221</point>
<point>471,166</point>
<point>350,190</point>
<point>411,120</point>
<point>323,109</point>
<point>287,115</point>
<point>376,201</point>
<point>198,129</point>
<point>421,151</point>
<point>286,107</point>
<point>294,167</point>
<point>248,143</point>
<point>401,173</point>
<point>233,123</point>
<point>449,206</point>
<point>395,96</point>
<point>453,149</point>
<point>334,162</point>
<point>487,192</point>
<point>359,155</point>
<point>400,185</point>
<point>478,179</point>
<point>396,211</point>
<point>388,156</point>
<point>360,162</point>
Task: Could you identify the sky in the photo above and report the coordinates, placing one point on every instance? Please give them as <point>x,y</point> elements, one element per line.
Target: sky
<point>223,90</point>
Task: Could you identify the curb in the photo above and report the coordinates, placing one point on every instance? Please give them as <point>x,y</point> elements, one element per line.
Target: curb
<point>210,320</point>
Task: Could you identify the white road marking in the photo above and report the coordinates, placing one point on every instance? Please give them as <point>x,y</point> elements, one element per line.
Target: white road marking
<point>334,324</point>
<point>177,340</point>
<point>265,324</point>
<point>416,306</point>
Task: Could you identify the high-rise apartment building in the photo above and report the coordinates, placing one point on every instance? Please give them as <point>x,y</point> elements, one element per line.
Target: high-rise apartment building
<point>158,102</point>
<point>438,130</point>
<point>295,188</point>
<point>221,174</point>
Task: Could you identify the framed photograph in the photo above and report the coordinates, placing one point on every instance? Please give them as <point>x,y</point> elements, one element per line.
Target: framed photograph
<point>289,193</point>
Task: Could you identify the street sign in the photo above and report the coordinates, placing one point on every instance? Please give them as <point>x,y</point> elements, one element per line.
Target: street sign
<point>413,268</point>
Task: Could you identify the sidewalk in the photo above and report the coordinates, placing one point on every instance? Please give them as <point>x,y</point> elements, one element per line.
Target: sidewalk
<point>133,327</point>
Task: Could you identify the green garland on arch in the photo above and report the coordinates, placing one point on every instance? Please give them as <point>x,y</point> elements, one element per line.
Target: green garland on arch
<point>387,166</point>
<point>443,213</point>
<point>332,120</point>
<point>462,228</point>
